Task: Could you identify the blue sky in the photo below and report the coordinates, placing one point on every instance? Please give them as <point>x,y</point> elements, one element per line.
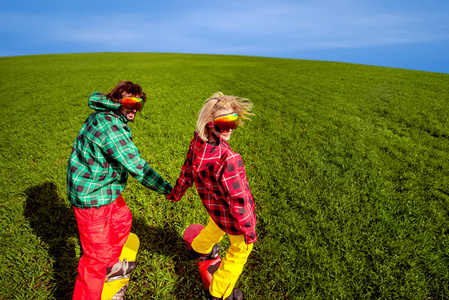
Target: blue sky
<point>409,34</point>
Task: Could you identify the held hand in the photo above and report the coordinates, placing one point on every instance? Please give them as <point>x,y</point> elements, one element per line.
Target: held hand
<point>250,238</point>
<point>169,196</point>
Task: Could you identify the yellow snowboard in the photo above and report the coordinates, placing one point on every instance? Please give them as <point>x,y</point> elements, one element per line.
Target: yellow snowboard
<point>116,289</point>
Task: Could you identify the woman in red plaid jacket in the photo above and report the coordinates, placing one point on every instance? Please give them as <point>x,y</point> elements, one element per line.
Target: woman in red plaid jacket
<point>220,179</point>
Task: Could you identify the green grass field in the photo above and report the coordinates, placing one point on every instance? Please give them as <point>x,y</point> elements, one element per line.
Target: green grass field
<point>348,164</point>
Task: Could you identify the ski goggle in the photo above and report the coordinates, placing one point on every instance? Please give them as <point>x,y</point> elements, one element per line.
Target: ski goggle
<point>227,122</point>
<point>132,103</point>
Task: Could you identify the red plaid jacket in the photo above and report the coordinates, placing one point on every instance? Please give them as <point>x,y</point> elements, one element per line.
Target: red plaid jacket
<point>220,179</point>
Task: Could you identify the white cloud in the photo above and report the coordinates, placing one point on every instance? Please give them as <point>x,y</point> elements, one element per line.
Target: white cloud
<point>321,24</point>
<point>246,26</point>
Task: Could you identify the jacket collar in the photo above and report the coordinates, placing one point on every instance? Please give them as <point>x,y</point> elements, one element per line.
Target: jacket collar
<point>205,154</point>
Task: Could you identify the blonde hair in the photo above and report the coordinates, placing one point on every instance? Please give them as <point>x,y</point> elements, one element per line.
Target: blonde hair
<point>239,105</point>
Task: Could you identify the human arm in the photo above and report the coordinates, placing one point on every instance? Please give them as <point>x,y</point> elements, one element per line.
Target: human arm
<point>118,145</point>
<point>239,197</point>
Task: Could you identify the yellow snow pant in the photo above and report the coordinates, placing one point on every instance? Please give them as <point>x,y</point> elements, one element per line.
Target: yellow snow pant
<point>225,278</point>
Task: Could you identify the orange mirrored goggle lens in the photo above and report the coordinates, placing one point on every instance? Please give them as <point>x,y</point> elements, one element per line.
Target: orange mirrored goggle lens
<point>132,103</point>
<point>226,122</point>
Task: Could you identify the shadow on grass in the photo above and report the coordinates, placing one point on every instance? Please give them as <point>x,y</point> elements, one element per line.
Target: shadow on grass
<point>53,221</point>
<point>166,241</point>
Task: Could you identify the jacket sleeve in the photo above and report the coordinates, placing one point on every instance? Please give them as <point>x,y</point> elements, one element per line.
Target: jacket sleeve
<point>185,179</point>
<point>120,147</point>
<point>239,197</point>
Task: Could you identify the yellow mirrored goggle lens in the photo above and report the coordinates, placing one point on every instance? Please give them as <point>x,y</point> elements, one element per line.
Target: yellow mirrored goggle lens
<point>132,103</point>
<point>226,122</point>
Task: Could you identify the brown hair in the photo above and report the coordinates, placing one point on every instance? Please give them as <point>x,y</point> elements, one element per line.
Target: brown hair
<point>218,101</point>
<point>126,89</point>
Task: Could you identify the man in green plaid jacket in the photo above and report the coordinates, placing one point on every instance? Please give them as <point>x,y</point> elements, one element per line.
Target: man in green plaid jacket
<point>102,156</point>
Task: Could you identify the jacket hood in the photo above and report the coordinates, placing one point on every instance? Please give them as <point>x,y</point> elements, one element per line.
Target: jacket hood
<point>205,154</point>
<point>99,102</point>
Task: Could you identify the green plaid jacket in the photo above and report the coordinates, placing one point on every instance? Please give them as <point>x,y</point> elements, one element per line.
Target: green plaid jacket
<point>102,156</point>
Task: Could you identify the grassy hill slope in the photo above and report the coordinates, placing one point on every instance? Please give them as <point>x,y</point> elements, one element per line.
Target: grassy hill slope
<point>349,166</point>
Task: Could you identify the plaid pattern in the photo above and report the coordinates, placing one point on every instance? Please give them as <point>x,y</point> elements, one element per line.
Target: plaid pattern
<point>102,156</point>
<point>220,179</point>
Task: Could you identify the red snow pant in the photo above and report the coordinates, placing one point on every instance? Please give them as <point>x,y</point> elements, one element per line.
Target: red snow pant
<point>103,232</point>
